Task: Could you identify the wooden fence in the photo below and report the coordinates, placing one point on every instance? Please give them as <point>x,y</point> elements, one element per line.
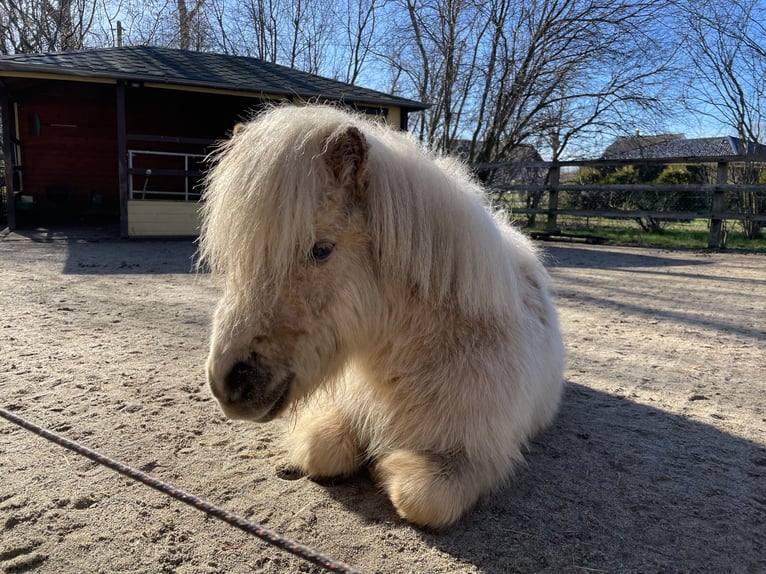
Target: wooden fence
<point>552,185</point>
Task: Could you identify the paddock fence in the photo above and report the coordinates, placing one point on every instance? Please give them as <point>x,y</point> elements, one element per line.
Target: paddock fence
<point>721,192</point>
<point>175,175</point>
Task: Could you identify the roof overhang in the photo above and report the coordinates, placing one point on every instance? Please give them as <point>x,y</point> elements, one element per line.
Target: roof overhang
<point>90,71</point>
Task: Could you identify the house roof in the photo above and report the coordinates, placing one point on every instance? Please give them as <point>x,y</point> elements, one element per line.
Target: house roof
<point>625,144</point>
<point>518,153</point>
<point>203,70</point>
<point>674,145</point>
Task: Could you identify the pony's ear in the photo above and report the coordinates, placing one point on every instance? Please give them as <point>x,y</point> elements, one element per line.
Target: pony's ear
<point>346,156</point>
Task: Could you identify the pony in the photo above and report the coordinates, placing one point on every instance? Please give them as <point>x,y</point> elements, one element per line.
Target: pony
<point>369,290</point>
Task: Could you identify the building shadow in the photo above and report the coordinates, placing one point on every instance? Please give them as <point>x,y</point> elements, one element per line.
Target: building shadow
<point>98,250</point>
<point>136,257</point>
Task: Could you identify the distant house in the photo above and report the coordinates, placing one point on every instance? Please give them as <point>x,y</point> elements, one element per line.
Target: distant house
<point>506,174</point>
<point>676,146</point>
<point>119,135</point>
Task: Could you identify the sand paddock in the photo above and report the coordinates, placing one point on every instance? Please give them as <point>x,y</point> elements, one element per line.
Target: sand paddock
<point>656,463</point>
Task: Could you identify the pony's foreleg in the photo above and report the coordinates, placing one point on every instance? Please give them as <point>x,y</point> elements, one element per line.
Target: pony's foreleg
<point>323,445</point>
<point>429,489</point>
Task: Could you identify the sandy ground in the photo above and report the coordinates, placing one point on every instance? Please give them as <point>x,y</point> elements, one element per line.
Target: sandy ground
<point>657,462</point>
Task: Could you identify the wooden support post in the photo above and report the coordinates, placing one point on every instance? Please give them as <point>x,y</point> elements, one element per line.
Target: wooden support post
<point>716,215</point>
<point>122,158</point>
<point>8,123</point>
<point>551,226</point>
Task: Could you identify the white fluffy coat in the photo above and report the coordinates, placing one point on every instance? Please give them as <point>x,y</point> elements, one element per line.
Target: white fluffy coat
<point>426,345</point>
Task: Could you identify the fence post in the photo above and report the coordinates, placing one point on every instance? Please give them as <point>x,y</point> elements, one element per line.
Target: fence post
<point>716,220</point>
<point>551,226</point>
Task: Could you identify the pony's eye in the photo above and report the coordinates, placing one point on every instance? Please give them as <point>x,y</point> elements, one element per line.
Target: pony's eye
<point>321,250</point>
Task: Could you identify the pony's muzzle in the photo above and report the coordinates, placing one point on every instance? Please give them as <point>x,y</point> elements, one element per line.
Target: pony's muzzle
<point>245,379</point>
<point>250,391</point>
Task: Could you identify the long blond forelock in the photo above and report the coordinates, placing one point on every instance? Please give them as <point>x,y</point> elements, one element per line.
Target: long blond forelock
<point>261,199</point>
<point>427,218</point>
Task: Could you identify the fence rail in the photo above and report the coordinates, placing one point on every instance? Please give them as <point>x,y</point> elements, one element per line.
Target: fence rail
<point>536,188</point>
<point>188,173</point>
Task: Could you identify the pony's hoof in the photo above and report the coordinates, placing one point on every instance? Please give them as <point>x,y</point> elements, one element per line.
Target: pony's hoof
<point>289,472</point>
<point>323,446</point>
<point>421,492</point>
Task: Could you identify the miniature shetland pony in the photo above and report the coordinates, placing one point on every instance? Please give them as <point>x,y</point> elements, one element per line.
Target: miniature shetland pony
<point>367,283</point>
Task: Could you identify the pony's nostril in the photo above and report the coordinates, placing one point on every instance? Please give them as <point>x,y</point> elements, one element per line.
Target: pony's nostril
<point>247,379</point>
<point>240,376</point>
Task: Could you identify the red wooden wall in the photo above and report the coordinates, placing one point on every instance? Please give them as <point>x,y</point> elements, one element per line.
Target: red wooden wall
<point>69,149</point>
<point>68,136</point>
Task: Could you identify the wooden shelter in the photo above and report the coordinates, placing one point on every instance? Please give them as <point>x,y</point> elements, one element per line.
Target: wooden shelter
<point>120,134</point>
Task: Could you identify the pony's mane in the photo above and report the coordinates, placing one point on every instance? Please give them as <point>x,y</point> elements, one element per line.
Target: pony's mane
<point>428,219</point>
<point>261,196</point>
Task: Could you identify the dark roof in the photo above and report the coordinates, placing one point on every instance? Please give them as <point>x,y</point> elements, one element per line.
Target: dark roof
<point>521,152</point>
<point>198,69</point>
<point>686,148</point>
<point>625,144</point>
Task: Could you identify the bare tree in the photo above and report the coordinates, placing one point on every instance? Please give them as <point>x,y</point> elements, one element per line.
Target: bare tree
<point>498,73</point>
<point>294,33</point>
<point>108,28</point>
<point>504,72</point>
<point>434,50</point>
<point>727,53</point>
<point>186,22</point>
<point>264,16</point>
<point>249,27</point>
<point>565,67</point>
<point>360,18</point>
<point>178,24</point>
<point>45,26</point>
<point>312,35</point>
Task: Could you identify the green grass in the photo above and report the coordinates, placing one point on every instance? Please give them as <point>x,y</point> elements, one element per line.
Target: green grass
<point>692,235</point>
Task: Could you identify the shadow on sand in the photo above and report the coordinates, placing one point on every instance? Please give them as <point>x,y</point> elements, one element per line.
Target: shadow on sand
<point>609,259</point>
<point>100,251</point>
<point>614,486</point>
